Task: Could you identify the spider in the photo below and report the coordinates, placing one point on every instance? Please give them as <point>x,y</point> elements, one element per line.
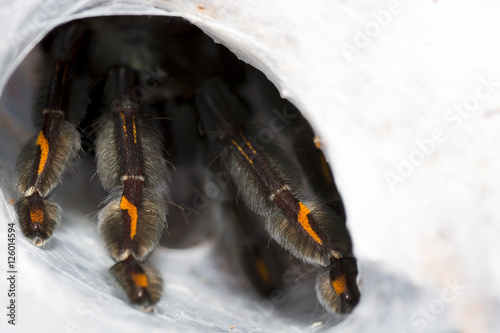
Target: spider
<point>152,85</point>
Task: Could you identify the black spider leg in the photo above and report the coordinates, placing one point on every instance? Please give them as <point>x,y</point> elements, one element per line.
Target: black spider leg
<point>248,244</point>
<point>60,106</point>
<point>261,259</point>
<point>173,100</point>
<point>321,180</point>
<point>308,148</point>
<point>269,185</point>
<point>128,164</point>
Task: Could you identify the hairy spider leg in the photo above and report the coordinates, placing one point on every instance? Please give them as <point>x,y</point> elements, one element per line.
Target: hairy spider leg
<point>128,164</point>
<point>321,180</point>
<point>261,259</point>
<point>59,107</point>
<point>314,164</point>
<point>269,185</point>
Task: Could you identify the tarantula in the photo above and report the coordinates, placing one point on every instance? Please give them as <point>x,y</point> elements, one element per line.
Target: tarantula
<point>153,84</point>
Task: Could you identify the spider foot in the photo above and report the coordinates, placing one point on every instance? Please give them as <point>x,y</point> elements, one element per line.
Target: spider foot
<point>336,288</point>
<point>141,282</point>
<point>37,217</point>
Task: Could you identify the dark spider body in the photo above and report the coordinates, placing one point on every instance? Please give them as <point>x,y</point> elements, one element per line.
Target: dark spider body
<point>125,76</point>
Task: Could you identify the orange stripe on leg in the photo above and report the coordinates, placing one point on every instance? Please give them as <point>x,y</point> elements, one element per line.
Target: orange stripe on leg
<point>241,151</point>
<point>132,212</point>
<point>304,222</point>
<point>326,170</point>
<point>248,143</point>
<point>44,149</point>
<point>37,215</point>
<point>140,280</point>
<point>135,130</point>
<point>124,125</point>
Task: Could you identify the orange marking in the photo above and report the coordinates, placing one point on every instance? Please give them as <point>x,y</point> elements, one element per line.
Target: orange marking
<point>140,280</point>
<point>124,126</point>
<point>132,212</point>
<point>261,268</point>
<point>241,151</point>
<point>304,222</point>
<point>135,130</point>
<point>44,148</point>
<point>248,143</point>
<point>37,215</point>
<point>317,142</point>
<point>339,285</point>
<point>326,170</point>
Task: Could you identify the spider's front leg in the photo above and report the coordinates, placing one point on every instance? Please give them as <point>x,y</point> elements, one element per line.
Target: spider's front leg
<point>128,151</point>
<point>60,106</point>
<point>270,185</point>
